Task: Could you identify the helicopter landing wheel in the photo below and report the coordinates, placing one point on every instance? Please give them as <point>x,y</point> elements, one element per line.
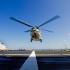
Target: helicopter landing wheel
<point>41,40</point>
<point>31,39</point>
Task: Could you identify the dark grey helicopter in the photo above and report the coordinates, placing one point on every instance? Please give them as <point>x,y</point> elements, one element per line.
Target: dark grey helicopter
<point>35,30</point>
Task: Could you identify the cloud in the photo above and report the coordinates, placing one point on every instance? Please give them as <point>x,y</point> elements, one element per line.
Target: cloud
<point>2,46</point>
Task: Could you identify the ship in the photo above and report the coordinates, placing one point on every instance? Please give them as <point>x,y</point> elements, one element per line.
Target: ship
<point>23,59</point>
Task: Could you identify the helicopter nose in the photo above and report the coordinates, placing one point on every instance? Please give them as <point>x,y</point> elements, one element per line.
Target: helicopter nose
<point>34,30</point>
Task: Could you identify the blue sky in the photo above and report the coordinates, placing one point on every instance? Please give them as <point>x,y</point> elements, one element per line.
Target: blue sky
<point>35,12</point>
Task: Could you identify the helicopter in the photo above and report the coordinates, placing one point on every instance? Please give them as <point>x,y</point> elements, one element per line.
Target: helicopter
<point>35,30</point>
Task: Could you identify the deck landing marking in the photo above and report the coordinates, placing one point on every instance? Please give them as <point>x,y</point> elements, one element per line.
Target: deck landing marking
<point>30,63</point>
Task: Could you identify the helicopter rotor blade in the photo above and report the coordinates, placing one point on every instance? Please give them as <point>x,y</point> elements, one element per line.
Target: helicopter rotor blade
<point>48,30</point>
<point>53,18</point>
<point>27,31</point>
<point>20,21</point>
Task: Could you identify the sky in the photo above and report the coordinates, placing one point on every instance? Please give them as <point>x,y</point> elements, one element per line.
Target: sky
<point>35,12</point>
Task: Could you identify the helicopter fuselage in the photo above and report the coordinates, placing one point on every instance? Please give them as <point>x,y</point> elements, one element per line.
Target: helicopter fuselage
<point>36,35</point>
